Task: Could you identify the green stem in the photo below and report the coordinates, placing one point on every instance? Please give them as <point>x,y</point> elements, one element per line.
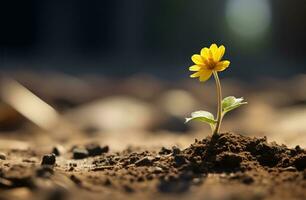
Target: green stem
<point>219,99</point>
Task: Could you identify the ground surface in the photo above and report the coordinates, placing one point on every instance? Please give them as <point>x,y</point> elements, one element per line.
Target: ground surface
<point>109,135</point>
<point>225,166</point>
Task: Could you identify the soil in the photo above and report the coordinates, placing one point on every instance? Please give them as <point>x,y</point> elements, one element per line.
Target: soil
<point>222,166</point>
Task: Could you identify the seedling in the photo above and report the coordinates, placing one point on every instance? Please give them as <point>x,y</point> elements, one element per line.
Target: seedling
<point>206,64</point>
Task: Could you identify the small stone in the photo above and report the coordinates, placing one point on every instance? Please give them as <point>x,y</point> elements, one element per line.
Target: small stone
<point>48,159</point>
<point>146,161</point>
<point>2,156</point>
<point>176,150</point>
<point>105,149</point>
<point>95,149</point>
<point>59,150</point>
<point>79,153</point>
<point>298,149</point>
<point>55,151</point>
<point>164,151</point>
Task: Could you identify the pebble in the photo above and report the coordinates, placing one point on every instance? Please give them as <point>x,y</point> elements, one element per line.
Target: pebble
<point>2,156</point>
<point>95,149</point>
<point>176,150</point>
<point>79,153</point>
<point>164,151</point>
<point>298,149</point>
<point>48,159</point>
<point>58,150</point>
<point>55,151</point>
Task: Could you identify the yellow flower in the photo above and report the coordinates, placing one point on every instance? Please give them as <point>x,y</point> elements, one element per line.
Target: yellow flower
<point>208,61</point>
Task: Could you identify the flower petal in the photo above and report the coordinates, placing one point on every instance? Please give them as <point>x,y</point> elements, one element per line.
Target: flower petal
<point>194,68</point>
<point>205,53</point>
<point>221,52</point>
<point>214,52</point>
<point>213,47</point>
<point>195,75</point>
<point>222,65</point>
<point>205,75</point>
<point>197,59</point>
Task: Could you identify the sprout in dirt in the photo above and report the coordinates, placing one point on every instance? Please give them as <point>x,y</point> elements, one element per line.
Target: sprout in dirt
<point>209,62</point>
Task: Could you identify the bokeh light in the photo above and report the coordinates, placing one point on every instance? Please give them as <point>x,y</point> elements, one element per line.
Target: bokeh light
<point>247,18</point>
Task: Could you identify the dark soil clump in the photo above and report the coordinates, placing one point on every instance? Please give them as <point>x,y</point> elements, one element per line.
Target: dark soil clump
<point>95,149</point>
<point>79,153</point>
<point>48,159</point>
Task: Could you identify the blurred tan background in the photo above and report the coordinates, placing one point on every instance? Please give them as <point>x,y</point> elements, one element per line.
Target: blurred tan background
<point>144,111</point>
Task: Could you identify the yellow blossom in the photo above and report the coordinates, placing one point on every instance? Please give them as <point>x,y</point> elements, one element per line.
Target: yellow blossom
<point>208,61</point>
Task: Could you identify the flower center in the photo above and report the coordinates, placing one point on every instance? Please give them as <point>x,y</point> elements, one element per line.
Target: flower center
<point>210,63</point>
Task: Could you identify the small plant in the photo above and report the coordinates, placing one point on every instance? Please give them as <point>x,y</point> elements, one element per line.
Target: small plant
<point>206,64</point>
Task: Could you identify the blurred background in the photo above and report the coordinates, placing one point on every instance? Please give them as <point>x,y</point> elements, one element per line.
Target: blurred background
<point>122,66</point>
<point>121,37</point>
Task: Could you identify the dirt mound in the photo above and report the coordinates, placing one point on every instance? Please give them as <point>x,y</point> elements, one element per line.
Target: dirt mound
<point>250,159</point>
<point>239,167</point>
<point>234,152</point>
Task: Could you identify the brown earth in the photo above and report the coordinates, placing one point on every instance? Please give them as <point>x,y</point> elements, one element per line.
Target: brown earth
<point>223,166</point>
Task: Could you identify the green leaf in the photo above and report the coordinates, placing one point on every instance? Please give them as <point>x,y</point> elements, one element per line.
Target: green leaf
<point>231,102</point>
<point>202,116</point>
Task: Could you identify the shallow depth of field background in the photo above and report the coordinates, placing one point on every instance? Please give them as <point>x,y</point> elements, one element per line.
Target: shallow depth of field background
<point>119,68</point>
